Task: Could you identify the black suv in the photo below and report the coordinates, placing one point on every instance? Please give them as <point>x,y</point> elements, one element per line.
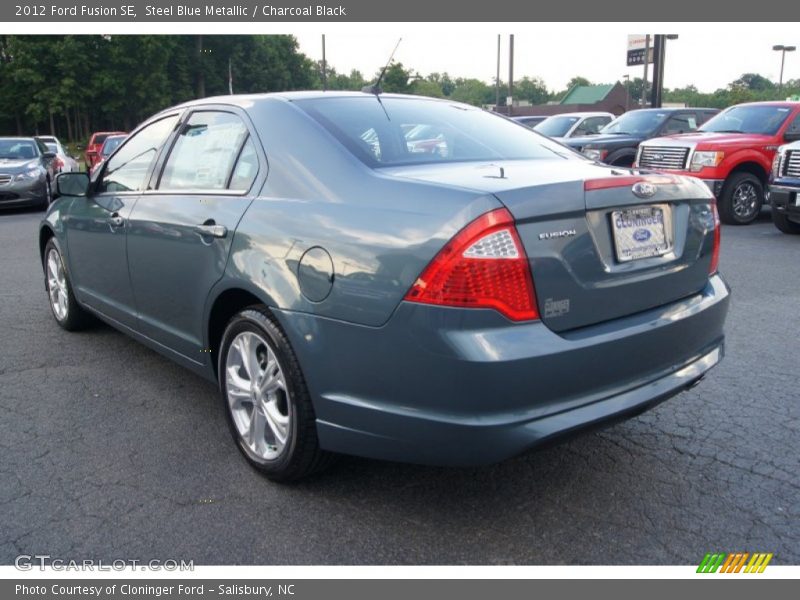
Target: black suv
<point>617,142</point>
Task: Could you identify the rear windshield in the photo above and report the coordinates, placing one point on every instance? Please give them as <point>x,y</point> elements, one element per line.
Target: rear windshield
<point>556,126</point>
<point>401,131</point>
<point>99,138</point>
<point>766,120</point>
<point>111,144</point>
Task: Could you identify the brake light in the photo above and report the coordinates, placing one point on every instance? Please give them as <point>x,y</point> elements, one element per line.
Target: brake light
<point>712,269</point>
<point>483,266</point>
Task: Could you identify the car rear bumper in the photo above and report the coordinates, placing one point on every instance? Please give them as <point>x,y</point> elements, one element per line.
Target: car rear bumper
<point>458,387</point>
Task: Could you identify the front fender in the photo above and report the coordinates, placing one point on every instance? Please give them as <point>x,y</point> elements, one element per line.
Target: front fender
<point>739,157</point>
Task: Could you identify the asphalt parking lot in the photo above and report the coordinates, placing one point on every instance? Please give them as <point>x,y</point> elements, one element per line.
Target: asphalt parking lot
<point>109,451</point>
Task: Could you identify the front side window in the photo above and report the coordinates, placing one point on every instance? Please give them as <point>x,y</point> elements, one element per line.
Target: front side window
<point>205,152</point>
<point>127,170</point>
<point>392,131</point>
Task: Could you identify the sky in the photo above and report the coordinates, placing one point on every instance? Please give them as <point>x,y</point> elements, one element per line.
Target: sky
<point>558,52</point>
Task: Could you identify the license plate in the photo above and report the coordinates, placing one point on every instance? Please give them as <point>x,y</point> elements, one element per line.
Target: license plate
<point>640,233</point>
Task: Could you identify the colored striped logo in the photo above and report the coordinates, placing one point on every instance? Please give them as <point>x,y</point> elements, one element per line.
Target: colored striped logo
<point>735,562</point>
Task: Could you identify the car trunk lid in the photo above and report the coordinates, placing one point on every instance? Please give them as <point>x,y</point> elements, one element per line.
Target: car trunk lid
<point>579,223</point>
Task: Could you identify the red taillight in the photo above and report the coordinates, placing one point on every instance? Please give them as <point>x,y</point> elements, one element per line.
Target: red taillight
<point>483,266</point>
<point>57,162</point>
<point>717,239</point>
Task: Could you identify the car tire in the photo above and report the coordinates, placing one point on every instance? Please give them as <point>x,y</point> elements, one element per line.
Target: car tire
<point>783,223</point>
<point>741,199</point>
<point>266,399</point>
<point>48,195</point>
<point>65,308</point>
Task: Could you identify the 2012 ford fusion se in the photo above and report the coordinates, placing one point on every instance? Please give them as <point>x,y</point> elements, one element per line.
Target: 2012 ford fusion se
<point>354,292</point>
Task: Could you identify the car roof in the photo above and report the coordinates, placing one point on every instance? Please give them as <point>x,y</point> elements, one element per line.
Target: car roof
<point>20,138</point>
<point>671,109</point>
<point>782,103</point>
<point>584,113</point>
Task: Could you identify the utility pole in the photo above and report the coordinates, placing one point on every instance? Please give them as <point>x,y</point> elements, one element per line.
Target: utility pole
<point>510,74</point>
<point>627,79</point>
<point>497,78</point>
<point>658,70</point>
<point>646,61</point>
<point>324,67</point>
<point>783,50</point>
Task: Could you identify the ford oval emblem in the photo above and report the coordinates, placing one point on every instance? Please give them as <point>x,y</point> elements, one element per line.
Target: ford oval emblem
<point>643,189</point>
<point>641,235</point>
<point>657,156</point>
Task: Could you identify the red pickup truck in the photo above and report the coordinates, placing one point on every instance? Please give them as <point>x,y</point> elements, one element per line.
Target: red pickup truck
<point>92,154</point>
<point>732,153</point>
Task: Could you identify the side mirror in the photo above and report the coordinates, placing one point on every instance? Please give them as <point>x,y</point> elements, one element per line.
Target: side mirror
<point>792,136</point>
<point>75,183</point>
<point>49,155</point>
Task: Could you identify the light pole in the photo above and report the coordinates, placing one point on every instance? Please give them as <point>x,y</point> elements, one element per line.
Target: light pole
<point>783,50</point>
<point>627,79</point>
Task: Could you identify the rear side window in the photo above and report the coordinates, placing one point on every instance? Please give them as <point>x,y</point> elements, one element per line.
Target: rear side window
<point>680,123</point>
<point>246,169</point>
<point>127,169</point>
<point>205,152</point>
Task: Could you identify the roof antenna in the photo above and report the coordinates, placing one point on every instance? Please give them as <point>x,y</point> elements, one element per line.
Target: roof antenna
<point>375,88</point>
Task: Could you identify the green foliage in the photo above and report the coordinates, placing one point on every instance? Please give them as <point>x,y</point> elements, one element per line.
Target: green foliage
<point>76,84</point>
<point>90,83</point>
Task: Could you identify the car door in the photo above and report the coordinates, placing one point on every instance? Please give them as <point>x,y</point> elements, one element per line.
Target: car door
<point>96,226</point>
<point>180,232</point>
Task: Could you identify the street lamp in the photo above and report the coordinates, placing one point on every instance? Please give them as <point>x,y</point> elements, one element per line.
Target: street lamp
<point>627,79</point>
<point>783,50</point>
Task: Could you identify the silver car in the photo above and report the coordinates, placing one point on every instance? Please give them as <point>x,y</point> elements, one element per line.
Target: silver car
<point>26,172</point>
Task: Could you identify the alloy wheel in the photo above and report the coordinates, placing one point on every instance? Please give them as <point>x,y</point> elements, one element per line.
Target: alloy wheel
<point>57,285</point>
<point>257,395</point>
<point>745,200</point>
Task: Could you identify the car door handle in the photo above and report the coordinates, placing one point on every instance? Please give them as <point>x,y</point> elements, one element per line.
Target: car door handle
<point>211,229</point>
<point>116,221</point>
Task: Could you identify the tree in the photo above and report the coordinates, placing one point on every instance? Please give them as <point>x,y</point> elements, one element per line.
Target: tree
<point>396,79</point>
<point>752,81</point>
<point>472,91</point>
<point>577,80</point>
<point>533,90</point>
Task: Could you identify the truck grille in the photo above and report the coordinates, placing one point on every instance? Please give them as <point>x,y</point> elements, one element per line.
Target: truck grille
<point>791,164</point>
<point>663,157</point>
<point>4,179</point>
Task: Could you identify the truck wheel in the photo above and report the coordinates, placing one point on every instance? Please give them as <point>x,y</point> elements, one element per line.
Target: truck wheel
<point>783,223</point>
<point>741,199</point>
